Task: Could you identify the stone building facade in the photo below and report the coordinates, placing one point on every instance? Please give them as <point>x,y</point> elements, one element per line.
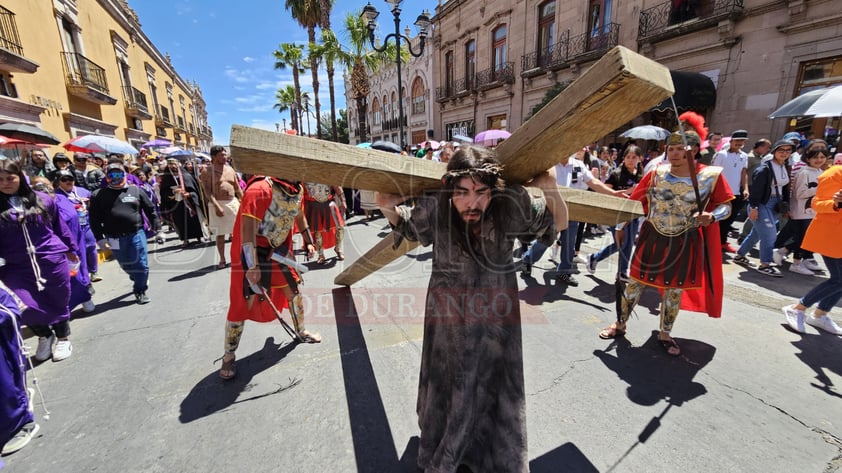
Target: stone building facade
<point>76,67</point>
<point>382,117</point>
<point>734,61</point>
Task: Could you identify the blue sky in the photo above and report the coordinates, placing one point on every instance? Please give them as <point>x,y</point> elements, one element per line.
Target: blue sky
<point>227,48</point>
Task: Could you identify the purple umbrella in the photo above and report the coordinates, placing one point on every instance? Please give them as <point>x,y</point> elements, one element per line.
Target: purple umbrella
<point>491,137</point>
<point>156,143</point>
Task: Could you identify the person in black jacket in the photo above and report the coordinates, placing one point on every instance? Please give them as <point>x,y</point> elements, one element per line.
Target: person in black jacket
<point>768,201</point>
<point>116,219</point>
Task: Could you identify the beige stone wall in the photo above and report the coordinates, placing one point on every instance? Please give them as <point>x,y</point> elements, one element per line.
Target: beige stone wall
<point>98,21</point>
<point>753,60</point>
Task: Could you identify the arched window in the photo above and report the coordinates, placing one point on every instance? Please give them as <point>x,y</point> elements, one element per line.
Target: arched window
<point>418,103</point>
<point>387,108</point>
<point>498,48</point>
<point>395,105</point>
<point>470,63</point>
<point>375,110</point>
<point>546,32</point>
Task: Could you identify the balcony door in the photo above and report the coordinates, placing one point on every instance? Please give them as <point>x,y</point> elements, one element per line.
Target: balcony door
<point>599,23</point>
<point>546,32</point>
<point>498,48</point>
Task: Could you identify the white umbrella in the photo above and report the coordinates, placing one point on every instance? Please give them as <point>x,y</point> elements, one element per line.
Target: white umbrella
<point>646,132</point>
<point>829,104</point>
<point>826,102</point>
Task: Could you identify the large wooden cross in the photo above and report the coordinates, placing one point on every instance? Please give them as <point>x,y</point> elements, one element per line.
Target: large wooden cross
<point>616,89</point>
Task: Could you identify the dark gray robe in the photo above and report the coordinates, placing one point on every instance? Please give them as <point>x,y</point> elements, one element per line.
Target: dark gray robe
<point>471,404</point>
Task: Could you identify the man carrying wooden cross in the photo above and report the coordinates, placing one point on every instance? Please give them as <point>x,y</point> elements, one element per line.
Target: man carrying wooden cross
<point>471,400</point>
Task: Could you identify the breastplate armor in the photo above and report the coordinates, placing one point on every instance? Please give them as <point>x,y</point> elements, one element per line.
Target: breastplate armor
<point>672,201</point>
<point>318,192</point>
<point>280,216</point>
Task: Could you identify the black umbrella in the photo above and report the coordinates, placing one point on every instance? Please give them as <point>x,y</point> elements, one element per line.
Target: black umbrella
<point>388,146</point>
<point>28,133</point>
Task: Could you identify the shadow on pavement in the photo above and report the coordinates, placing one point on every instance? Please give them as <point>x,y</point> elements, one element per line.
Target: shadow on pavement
<point>567,458</point>
<point>195,273</point>
<point>653,376</point>
<point>212,394</point>
<point>822,352</point>
<point>374,446</point>
<point>117,302</point>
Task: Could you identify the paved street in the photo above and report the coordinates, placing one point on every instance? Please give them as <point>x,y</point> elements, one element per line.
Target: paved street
<point>141,392</point>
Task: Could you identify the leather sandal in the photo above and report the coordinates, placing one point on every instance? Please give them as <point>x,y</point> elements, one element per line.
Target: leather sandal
<point>612,331</point>
<point>670,347</point>
<point>306,336</point>
<point>229,368</point>
<point>340,256</point>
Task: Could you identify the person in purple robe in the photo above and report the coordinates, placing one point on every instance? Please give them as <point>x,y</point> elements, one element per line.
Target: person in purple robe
<point>80,283</point>
<point>17,422</point>
<point>37,246</point>
<point>80,197</point>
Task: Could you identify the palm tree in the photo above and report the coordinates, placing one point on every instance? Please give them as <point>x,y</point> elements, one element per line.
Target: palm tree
<point>331,52</point>
<point>360,59</point>
<point>332,49</point>
<point>308,14</point>
<point>286,101</point>
<point>290,55</point>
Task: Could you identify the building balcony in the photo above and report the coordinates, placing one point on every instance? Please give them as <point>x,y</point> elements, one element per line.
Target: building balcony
<point>11,51</point>
<point>444,93</point>
<point>205,132</point>
<point>85,79</point>
<point>666,21</point>
<point>495,76</point>
<point>179,124</point>
<point>136,106</point>
<point>569,51</point>
<point>162,118</point>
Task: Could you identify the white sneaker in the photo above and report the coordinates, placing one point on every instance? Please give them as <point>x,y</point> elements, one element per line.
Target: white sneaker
<point>591,263</point>
<point>63,350</point>
<point>45,348</point>
<point>795,318</point>
<point>779,255</point>
<point>799,268</point>
<point>579,260</point>
<point>825,323</point>
<point>811,264</point>
<point>21,438</point>
<point>88,306</point>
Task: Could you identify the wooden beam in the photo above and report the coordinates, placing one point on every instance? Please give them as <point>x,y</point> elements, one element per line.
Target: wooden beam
<point>299,158</point>
<point>616,89</point>
<point>584,206</point>
<point>374,259</point>
<point>599,209</point>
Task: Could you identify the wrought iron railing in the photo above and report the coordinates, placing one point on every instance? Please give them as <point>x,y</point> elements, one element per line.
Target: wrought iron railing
<point>501,74</point>
<point>135,99</point>
<point>9,39</point>
<point>576,48</point>
<point>659,18</point>
<point>594,42</point>
<point>463,85</point>
<point>445,92</point>
<point>80,70</point>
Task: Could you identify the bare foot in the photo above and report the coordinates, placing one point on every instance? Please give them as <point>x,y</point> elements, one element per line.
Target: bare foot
<point>308,337</point>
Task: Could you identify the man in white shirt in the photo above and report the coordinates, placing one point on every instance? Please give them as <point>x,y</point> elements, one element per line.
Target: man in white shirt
<point>734,163</point>
<point>570,172</point>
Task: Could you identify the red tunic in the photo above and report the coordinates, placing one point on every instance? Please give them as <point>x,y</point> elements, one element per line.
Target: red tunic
<point>257,199</point>
<point>700,295</point>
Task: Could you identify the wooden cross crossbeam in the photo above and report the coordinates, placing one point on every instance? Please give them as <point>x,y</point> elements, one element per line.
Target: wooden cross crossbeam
<point>616,89</point>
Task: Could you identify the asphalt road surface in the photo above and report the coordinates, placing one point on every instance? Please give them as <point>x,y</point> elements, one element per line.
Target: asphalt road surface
<point>141,392</point>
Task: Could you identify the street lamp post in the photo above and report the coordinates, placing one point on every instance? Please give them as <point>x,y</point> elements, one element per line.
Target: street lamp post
<point>285,124</point>
<point>422,22</point>
<point>306,100</point>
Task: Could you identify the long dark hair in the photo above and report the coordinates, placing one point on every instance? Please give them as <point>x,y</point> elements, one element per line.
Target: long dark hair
<point>479,164</point>
<point>32,205</point>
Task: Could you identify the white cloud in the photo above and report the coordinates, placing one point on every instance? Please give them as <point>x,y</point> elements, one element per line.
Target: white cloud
<point>248,59</point>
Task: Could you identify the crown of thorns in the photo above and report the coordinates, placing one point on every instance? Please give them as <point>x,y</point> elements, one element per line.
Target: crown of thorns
<point>485,170</point>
